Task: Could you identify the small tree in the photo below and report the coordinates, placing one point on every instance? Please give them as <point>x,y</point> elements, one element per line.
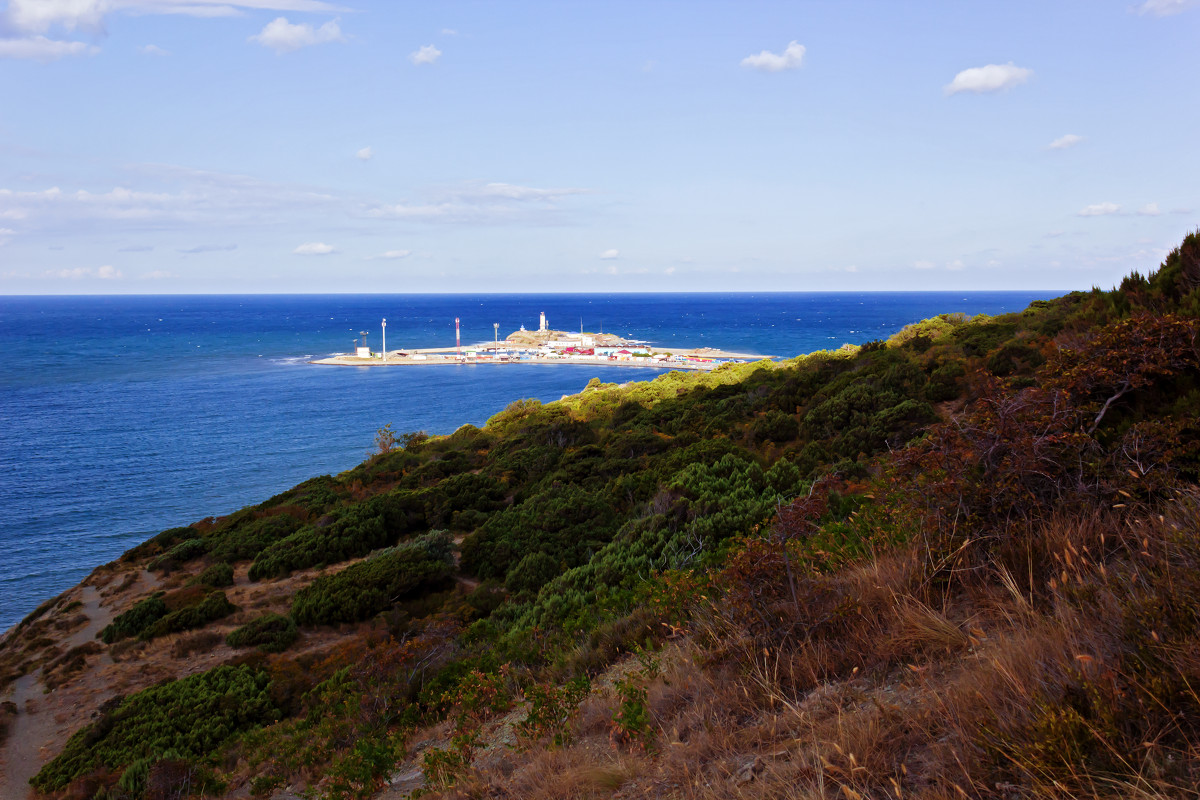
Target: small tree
<point>385,440</point>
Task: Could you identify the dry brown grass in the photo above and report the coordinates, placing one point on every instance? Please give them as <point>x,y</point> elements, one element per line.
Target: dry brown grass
<point>1060,663</point>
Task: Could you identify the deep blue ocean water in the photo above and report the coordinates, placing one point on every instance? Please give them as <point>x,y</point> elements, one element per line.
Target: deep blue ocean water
<point>122,416</point>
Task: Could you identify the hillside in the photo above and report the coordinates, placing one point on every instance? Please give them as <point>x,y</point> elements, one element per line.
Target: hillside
<point>962,562</point>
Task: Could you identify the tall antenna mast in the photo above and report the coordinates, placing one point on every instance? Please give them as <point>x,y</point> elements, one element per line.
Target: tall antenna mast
<point>457,339</point>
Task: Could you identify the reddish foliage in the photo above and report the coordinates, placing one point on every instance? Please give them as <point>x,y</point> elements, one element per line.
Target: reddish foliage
<point>1122,357</point>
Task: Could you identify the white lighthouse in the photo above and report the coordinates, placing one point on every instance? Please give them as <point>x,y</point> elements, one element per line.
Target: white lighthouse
<point>542,324</point>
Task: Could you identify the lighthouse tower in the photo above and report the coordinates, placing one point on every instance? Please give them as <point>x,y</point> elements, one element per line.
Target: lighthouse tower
<point>542,324</point>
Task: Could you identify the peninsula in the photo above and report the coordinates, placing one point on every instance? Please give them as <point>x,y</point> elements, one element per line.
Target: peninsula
<point>547,346</point>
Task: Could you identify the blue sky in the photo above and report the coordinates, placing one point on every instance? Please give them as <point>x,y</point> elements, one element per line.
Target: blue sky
<point>177,146</point>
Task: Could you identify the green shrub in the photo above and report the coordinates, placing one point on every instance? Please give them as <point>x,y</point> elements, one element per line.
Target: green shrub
<point>355,531</point>
<point>215,575</point>
<point>180,554</point>
<point>246,540</point>
<point>270,633</point>
<point>137,619</point>
<point>159,543</point>
<point>563,523</point>
<point>775,426</point>
<point>189,718</point>
<point>213,607</point>
<point>368,587</point>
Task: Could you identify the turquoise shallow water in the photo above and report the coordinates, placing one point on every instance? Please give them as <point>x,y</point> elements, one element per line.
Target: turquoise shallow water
<point>121,416</point>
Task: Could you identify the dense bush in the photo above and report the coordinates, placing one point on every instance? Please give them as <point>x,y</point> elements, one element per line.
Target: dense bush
<point>356,531</point>
<point>270,633</point>
<point>368,587</point>
<point>191,717</point>
<point>564,523</point>
<point>248,539</point>
<point>137,619</point>
<point>213,607</point>
<point>157,544</point>
<point>216,576</point>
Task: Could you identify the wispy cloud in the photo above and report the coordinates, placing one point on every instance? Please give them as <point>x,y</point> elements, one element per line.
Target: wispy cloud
<point>484,203</point>
<point>395,254</point>
<point>427,54</point>
<point>992,78</point>
<point>167,197</point>
<point>286,37</point>
<point>1063,142</point>
<point>923,265</point>
<point>365,154</point>
<point>1100,210</point>
<point>106,272</point>
<point>1149,210</point>
<point>1165,8</point>
<point>792,57</point>
<point>153,50</point>
<point>39,16</point>
<point>610,254</point>
<point>39,48</point>
<point>314,249</point>
<point>209,248</point>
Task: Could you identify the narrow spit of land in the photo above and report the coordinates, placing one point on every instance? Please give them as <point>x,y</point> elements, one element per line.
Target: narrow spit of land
<point>549,347</point>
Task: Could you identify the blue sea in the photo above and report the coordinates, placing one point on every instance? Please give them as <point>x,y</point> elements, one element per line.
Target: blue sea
<point>121,416</point>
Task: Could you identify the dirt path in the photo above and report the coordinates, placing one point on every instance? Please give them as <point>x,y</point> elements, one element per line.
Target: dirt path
<point>44,720</point>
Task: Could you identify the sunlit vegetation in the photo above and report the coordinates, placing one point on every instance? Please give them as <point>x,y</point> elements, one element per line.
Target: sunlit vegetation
<point>961,562</point>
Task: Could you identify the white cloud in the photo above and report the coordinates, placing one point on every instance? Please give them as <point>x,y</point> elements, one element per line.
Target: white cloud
<point>209,248</point>
<point>449,32</point>
<point>313,249</point>
<point>106,272</point>
<point>38,16</point>
<point>153,50</point>
<point>991,78</point>
<point>39,48</point>
<point>852,268</point>
<point>284,37</point>
<point>1100,210</point>
<point>395,254</point>
<point>610,254</point>
<point>955,265</point>
<point>669,270</point>
<point>791,58</point>
<point>204,204</point>
<point>477,203</point>
<point>1165,8</point>
<point>426,55</point>
<point>365,154</point>
<point>1149,210</point>
<point>923,264</point>
<point>1063,142</point>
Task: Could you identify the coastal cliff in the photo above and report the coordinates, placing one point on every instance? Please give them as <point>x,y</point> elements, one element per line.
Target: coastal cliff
<point>960,562</point>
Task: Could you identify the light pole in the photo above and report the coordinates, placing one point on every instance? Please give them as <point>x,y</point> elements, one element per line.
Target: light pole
<point>385,338</point>
<point>496,325</point>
